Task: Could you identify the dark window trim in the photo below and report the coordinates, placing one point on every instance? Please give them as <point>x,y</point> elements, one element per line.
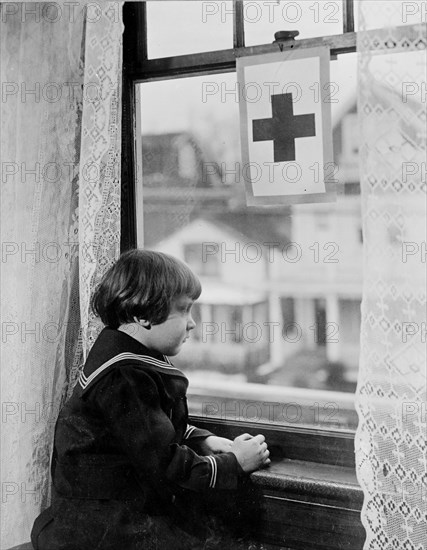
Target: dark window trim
<point>220,61</point>
<point>134,45</point>
<point>238,25</point>
<point>128,196</point>
<point>348,16</point>
<point>309,497</point>
<point>225,60</point>
<point>293,443</point>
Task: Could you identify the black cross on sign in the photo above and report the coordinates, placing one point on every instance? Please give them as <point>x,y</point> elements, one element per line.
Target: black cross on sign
<point>283,128</point>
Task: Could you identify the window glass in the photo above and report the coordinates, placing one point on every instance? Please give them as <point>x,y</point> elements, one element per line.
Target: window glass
<point>278,326</point>
<point>200,262</point>
<point>178,28</point>
<point>196,314</point>
<point>310,18</point>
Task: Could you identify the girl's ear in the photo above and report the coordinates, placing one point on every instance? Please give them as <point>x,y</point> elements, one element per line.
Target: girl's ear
<point>143,322</point>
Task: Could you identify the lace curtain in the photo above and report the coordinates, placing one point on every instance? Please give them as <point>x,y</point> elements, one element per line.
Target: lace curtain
<point>60,222</point>
<point>391,446</point>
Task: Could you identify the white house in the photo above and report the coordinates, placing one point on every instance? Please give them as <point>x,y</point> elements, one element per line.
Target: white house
<point>278,284</point>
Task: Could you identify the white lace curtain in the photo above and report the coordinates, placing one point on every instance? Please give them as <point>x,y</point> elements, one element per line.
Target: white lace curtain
<point>60,222</point>
<point>391,441</point>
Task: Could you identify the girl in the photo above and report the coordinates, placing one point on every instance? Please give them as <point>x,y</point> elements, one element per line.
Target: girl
<point>125,460</point>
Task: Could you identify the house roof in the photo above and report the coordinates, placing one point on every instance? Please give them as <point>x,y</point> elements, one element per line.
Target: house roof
<point>166,162</point>
<point>260,227</point>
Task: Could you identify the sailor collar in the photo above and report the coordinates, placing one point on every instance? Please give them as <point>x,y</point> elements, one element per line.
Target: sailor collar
<point>136,354</point>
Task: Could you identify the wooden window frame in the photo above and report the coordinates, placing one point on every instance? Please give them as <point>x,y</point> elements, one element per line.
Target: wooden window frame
<point>137,68</point>
<point>313,480</point>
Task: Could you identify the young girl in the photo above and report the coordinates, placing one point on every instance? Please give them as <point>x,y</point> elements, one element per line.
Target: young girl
<point>125,461</point>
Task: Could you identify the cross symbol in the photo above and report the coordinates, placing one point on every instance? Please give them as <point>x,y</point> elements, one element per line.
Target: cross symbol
<point>283,128</point>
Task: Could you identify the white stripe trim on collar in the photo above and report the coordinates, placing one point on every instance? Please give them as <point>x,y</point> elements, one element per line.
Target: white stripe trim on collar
<point>190,429</point>
<point>86,380</point>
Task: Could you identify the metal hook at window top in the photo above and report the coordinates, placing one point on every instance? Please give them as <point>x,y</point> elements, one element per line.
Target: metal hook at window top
<point>282,38</point>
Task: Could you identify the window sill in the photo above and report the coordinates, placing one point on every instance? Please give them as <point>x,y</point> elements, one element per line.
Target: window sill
<point>305,481</point>
<point>310,504</point>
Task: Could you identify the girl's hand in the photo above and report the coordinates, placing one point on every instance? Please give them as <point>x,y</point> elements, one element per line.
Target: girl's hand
<point>251,452</point>
<point>215,444</point>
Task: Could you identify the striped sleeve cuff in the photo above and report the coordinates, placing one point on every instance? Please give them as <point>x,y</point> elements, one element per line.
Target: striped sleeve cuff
<point>214,471</point>
<point>224,472</point>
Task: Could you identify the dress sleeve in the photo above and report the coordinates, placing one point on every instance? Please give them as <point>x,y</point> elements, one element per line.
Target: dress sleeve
<point>193,437</point>
<point>129,401</point>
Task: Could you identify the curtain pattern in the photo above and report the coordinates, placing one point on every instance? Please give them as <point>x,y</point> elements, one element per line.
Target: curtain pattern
<point>391,440</point>
<point>99,197</point>
<point>60,76</point>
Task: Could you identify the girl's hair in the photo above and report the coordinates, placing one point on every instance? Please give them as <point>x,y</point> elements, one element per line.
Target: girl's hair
<point>143,284</point>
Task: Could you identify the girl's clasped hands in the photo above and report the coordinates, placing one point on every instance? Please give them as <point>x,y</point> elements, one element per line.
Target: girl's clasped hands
<point>251,451</point>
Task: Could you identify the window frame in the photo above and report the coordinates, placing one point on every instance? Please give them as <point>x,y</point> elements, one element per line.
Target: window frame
<point>289,442</point>
<point>287,493</point>
<point>137,68</point>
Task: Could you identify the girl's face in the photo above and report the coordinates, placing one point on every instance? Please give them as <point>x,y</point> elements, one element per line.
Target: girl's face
<point>167,337</point>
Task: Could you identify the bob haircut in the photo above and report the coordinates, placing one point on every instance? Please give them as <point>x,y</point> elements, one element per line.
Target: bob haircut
<point>143,284</point>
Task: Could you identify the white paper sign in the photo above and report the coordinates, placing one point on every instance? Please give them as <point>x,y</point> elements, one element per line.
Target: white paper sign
<point>286,132</point>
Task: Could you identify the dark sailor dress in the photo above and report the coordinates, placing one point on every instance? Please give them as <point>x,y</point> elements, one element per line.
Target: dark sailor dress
<point>125,467</point>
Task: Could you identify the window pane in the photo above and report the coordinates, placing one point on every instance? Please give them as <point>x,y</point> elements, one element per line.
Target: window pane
<point>278,325</point>
<point>310,18</point>
<point>178,28</point>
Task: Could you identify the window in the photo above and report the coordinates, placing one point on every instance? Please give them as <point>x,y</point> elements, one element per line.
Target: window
<point>297,383</point>
<point>269,318</point>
